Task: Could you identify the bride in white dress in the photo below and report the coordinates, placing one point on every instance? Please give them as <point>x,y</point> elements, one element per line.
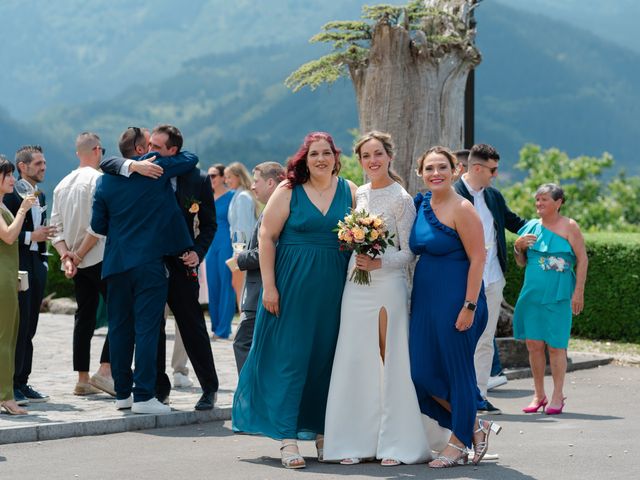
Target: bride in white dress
<point>372,409</point>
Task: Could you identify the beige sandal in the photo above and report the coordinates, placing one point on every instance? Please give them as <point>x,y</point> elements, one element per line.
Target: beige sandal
<point>291,459</point>
<point>320,447</point>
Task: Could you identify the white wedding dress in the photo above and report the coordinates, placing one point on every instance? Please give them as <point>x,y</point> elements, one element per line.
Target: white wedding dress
<point>372,409</point>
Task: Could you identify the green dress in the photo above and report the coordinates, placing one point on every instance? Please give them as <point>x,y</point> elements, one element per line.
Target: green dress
<point>283,386</point>
<point>9,315</point>
<point>543,310</point>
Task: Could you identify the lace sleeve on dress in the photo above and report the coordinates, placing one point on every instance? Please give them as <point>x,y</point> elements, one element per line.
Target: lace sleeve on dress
<point>405,214</point>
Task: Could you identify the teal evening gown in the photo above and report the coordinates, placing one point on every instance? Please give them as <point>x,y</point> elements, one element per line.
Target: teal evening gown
<point>543,310</point>
<point>283,386</point>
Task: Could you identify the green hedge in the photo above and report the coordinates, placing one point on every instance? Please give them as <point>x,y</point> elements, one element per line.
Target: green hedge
<point>57,283</point>
<point>612,292</point>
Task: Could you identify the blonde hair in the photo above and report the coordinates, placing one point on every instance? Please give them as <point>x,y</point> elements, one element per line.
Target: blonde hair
<point>240,171</point>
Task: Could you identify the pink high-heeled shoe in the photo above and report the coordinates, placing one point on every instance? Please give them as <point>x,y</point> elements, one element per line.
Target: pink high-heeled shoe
<point>534,409</point>
<point>555,411</point>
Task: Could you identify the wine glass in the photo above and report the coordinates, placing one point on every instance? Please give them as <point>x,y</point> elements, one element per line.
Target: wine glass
<point>24,188</point>
<point>238,241</point>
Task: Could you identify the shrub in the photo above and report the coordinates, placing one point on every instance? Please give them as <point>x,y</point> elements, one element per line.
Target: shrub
<point>57,283</point>
<point>611,306</point>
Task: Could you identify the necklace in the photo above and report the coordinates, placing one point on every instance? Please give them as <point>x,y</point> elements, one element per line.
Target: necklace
<point>323,191</point>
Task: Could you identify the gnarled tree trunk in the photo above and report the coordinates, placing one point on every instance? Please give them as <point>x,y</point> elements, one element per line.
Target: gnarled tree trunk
<point>414,90</point>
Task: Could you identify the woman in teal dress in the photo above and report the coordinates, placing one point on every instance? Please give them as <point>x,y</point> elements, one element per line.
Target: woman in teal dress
<point>222,299</point>
<point>552,250</point>
<point>9,316</point>
<point>283,386</point>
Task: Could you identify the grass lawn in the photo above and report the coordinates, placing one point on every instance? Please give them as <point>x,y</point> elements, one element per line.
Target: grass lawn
<point>619,350</point>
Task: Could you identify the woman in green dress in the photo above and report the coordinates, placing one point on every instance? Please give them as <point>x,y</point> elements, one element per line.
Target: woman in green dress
<point>9,316</point>
<point>552,250</point>
<point>283,386</point>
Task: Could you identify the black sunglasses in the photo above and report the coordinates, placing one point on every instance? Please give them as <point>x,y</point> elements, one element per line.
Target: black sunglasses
<point>137,134</point>
<point>213,175</point>
<point>102,149</point>
<point>491,169</point>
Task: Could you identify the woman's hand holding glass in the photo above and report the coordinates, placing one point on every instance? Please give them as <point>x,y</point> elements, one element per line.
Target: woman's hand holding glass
<point>525,241</point>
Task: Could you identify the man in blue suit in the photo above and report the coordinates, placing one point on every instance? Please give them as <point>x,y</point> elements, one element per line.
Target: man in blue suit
<point>195,200</point>
<point>142,223</point>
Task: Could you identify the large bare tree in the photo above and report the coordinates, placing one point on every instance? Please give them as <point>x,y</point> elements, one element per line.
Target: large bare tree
<point>409,67</point>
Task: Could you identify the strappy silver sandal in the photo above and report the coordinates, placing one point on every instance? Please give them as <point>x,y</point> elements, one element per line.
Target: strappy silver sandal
<point>480,448</point>
<point>447,462</point>
<point>291,459</point>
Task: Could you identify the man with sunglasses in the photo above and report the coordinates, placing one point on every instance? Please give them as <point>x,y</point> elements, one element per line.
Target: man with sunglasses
<point>81,256</point>
<point>475,186</point>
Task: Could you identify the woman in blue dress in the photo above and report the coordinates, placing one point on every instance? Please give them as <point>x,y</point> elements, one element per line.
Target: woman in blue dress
<point>553,251</point>
<point>283,386</point>
<point>222,299</point>
<point>448,309</point>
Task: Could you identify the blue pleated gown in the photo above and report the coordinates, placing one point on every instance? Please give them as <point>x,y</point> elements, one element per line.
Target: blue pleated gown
<point>222,298</point>
<point>283,386</point>
<point>442,357</point>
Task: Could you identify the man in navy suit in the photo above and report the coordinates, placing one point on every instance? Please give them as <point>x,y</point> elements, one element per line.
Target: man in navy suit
<point>33,237</point>
<point>195,200</point>
<point>143,224</point>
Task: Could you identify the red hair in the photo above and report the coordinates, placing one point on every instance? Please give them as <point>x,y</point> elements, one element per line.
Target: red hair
<point>297,170</point>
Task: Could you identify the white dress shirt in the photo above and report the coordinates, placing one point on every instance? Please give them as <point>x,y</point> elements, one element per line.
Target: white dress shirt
<point>492,272</point>
<point>71,213</point>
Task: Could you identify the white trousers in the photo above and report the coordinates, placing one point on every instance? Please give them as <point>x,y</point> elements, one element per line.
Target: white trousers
<point>483,357</point>
<point>179,357</point>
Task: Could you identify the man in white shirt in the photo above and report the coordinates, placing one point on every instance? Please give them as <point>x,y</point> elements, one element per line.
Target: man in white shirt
<point>81,254</point>
<point>475,186</point>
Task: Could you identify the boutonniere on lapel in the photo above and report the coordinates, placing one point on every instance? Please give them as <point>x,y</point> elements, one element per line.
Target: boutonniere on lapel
<point>192,205</point>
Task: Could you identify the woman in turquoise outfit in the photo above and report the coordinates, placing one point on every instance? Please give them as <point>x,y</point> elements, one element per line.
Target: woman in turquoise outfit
<point>283,386</point>
<point>222,299</point>
<point>553,251</point>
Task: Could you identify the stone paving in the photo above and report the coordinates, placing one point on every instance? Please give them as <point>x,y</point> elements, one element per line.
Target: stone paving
<point>67,415</point>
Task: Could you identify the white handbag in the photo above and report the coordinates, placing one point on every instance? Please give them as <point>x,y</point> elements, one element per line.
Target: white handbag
<point>23,280</point>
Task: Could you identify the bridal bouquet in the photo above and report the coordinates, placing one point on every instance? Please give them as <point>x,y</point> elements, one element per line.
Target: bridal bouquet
<point>362,232</point>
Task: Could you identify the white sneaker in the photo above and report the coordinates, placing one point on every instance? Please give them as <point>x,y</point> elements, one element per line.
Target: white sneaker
<point>496,381</point>
<point>124,403</point>
<point>181,380</point>
<point>150,406</point>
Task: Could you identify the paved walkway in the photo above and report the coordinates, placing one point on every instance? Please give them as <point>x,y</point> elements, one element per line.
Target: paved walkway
<point>67,415</point>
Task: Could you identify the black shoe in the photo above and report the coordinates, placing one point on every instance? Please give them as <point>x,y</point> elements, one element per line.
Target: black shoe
<point>33,395</point>
<point>489,409</point>
<point>19,397</point>
<point>207,401</point>
<point>163,398</point>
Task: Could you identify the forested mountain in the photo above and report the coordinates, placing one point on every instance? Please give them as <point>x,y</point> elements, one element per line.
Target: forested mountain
<point>216,70</point>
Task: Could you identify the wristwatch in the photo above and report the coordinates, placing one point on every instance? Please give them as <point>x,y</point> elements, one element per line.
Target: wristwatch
<point>470,305</point>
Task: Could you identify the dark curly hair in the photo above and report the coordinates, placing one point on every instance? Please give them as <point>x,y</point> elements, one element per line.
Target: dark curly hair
<point>297,170</point>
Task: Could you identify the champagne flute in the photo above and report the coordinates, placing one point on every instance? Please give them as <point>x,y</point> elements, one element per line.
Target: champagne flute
<point>238,242</point>
<point>24,188</point>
